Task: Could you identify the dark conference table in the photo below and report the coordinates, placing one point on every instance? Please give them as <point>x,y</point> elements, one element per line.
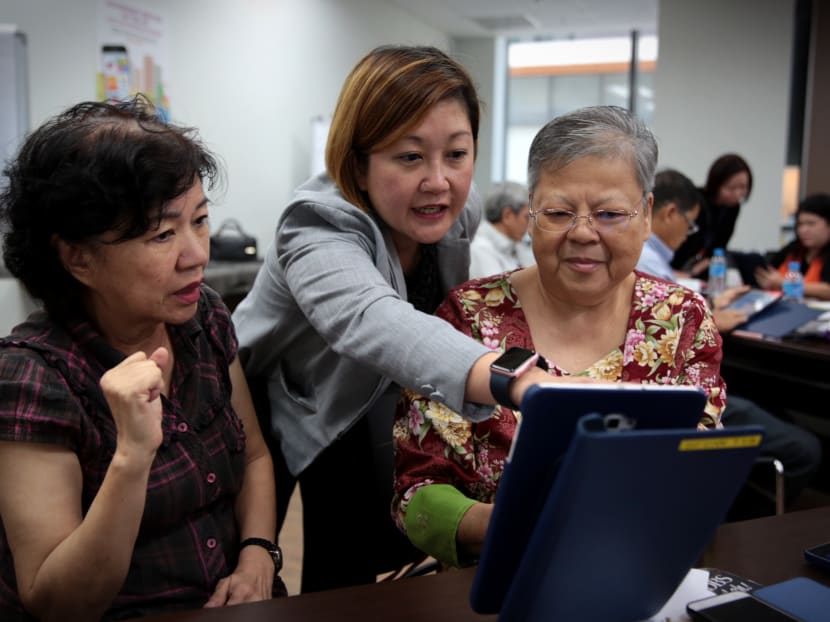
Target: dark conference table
<point>766,550</point>
<point>789,377</point>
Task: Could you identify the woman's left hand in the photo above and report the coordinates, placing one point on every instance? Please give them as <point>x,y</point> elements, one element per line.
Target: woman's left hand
<point>252,580</point>
<point>769,278</point>
<point>729,296</point>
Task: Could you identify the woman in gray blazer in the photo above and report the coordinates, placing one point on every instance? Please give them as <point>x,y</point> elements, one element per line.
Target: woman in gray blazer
<point>340,315</point>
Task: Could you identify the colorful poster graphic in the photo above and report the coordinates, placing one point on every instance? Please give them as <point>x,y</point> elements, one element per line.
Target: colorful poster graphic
<point>132,44</point>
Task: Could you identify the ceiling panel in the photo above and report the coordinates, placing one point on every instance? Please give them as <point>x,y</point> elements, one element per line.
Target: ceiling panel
<point>540,18</point>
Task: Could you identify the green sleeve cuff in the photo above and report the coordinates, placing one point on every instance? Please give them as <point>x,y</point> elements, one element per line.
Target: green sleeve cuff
<point>432,519</point>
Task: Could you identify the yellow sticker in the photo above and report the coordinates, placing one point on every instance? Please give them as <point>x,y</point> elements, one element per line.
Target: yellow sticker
<point>719,442</point>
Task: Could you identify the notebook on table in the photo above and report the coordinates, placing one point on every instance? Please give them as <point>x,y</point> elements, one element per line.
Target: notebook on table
<point>607,528</point>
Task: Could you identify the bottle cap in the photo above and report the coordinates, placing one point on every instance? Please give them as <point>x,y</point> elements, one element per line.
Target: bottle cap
<point>794,266</point>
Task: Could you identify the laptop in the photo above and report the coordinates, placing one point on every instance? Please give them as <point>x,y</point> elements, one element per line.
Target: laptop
<point>607,499</point>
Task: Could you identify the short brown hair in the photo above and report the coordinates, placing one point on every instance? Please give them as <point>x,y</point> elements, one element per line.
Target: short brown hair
<point>386,94</point>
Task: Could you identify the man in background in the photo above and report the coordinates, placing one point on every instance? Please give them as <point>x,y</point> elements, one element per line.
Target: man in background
<point>676,208</point>
<point>499,245</point>
<point>676,205</point>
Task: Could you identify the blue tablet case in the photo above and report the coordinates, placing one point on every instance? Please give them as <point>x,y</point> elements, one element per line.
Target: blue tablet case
<point>549,416</point>
<point>803,598</point>
<point>611,527</point>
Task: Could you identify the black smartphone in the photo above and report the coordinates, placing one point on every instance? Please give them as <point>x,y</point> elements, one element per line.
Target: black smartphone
<point>819,556</point>
<point>115,71</point>
<point>735,607</point>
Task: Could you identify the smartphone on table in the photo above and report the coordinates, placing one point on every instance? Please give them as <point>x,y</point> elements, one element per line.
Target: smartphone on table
<point>735,607</point>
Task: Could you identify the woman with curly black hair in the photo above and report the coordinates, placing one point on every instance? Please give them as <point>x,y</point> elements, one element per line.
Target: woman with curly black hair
<point>132,469</point>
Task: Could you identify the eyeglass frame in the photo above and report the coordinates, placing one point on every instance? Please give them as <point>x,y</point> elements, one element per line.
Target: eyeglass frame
<point>692,226</point>
<point>589,217</point>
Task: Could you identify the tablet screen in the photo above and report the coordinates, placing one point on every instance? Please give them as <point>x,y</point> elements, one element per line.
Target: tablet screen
<point>754,300</point>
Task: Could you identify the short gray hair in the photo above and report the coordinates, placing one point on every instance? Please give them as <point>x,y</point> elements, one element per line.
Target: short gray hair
<point>507,194</point>
<point>602,131</point>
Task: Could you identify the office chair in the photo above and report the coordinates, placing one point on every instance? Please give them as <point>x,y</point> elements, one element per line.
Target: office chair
<point>763,494</point>
<point>764,469</point>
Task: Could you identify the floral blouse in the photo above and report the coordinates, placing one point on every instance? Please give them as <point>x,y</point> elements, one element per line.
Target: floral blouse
<point>671,339</point>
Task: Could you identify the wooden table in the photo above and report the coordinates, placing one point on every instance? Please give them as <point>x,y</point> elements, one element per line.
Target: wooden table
<point>766,550</point>
<point>769,550</point>
<point>788,377</point>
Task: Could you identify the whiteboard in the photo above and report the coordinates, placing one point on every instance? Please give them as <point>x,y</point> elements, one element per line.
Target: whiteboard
<point>14,96</point>
<point>319,137</point>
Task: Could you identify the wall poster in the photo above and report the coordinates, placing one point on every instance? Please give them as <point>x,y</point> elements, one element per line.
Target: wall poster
<point>132,52</point>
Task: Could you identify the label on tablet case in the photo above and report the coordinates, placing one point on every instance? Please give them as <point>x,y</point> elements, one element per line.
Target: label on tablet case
<point>719,442</point>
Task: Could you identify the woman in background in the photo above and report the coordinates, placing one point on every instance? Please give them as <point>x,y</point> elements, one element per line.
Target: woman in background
<point>810,249</point>
<point>582,306</point>
<point>133,475</point>
<point>728,185</point>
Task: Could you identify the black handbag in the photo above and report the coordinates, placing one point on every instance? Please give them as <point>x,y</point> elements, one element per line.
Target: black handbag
<point>231,243</point>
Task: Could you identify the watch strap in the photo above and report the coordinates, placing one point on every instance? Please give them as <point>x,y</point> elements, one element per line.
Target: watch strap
<point>273,550</point>
<point>500,385</point>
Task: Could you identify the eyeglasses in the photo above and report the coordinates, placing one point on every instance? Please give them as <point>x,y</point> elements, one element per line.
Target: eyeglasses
<point>562,220</point>
<point>691,224</point>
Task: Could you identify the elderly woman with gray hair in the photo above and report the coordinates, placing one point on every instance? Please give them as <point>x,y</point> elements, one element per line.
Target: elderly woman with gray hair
<point>582,306</point>
<point>499,245</point>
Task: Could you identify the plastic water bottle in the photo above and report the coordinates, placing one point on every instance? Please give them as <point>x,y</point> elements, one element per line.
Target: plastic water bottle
<point>717,274</point>
<point>793,286</point>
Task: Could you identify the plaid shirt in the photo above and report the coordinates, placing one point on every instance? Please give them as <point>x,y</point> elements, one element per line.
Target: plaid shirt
<point>188,537</point>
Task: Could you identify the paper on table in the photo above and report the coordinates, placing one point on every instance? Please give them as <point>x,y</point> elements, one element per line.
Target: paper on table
<point>693,587</point>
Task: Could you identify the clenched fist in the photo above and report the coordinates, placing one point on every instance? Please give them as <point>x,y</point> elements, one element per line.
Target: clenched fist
<point>133,392</point>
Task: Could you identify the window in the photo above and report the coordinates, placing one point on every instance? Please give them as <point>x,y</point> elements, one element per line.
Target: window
<point>548,78</point>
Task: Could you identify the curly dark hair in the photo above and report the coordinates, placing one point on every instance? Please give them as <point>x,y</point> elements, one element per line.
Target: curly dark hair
<point>97,167</point>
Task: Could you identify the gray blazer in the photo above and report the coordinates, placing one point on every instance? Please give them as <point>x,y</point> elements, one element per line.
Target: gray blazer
<point>328,323</point>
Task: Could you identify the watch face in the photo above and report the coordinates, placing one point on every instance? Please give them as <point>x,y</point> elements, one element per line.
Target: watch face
<point>511,360</point>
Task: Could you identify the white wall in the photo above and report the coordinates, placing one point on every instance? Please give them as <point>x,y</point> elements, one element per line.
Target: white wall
<point>15,305</point>
<point>478,56</point>
<point>250,74</point>
<point>722,85</point>
<point>62,51</point>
